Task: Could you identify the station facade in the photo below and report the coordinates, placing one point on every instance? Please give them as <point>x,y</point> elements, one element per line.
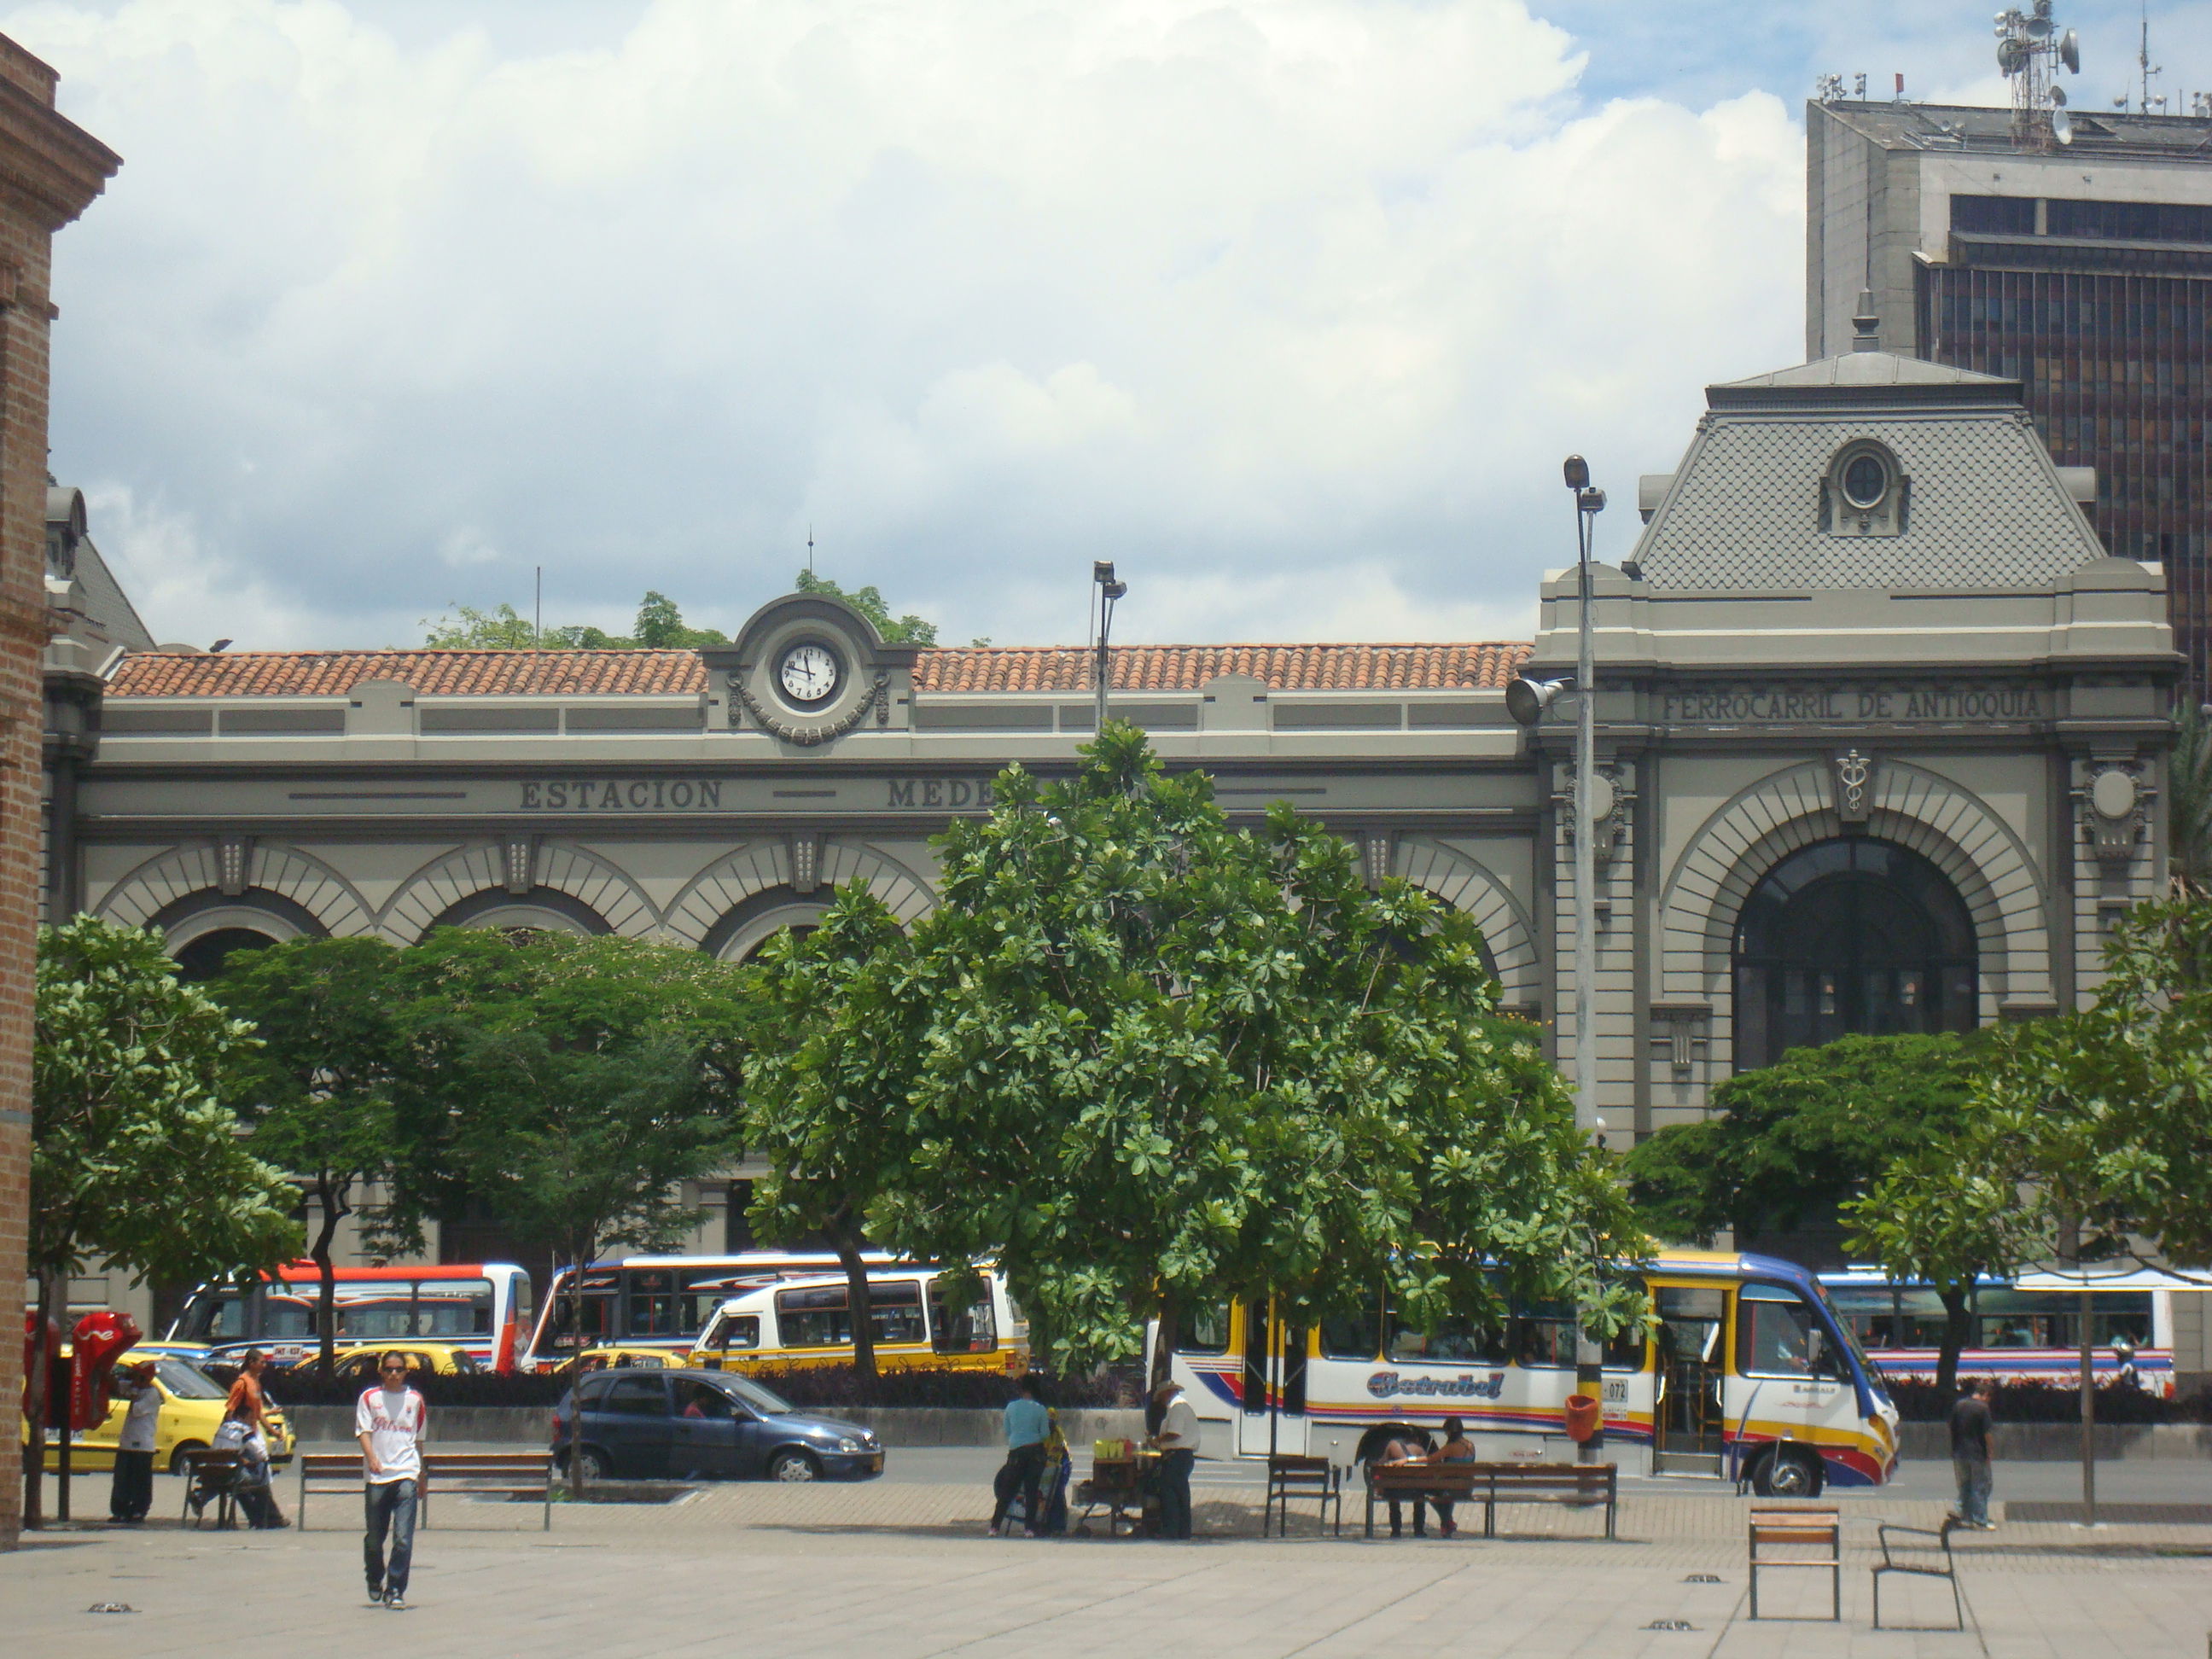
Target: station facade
<point>1882,737</point>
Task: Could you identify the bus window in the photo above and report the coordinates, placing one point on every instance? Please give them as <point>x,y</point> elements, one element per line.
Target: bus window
<point>451,1309</point>
<point>1353,1336</point>
<point>973,1329</point>
<point>1203,1329</point>
<point>653,1304</point>
<point>738,1331</point>
<point>1543,1334</point>
<point>1779,1335</point>
<point>1458,1337</point>
<point>2052,1319</point>
<point>816,1316</point>
<point>598,1317</point>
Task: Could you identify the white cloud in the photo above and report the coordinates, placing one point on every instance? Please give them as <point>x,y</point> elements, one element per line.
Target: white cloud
<point>1289,308</point>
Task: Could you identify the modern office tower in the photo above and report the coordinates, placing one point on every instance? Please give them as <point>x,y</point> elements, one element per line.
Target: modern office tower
<point>2081,269</point>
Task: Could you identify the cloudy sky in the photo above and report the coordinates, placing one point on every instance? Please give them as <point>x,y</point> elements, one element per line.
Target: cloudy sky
<point>1290,306</point>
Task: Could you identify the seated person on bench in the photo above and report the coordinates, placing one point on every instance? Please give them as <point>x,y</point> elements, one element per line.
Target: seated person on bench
<point>1397,1451</point>
<point>1456,1449</point>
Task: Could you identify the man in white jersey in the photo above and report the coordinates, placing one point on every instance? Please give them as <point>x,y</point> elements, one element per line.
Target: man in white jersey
<point>388,1420</point>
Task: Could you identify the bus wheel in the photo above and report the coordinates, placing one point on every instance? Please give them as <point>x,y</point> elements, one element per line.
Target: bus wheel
<point>790,1464</point>
<point>1788,1474</point>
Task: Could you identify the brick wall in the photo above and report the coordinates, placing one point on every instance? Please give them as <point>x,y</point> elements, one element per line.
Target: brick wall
<point>50,171</point>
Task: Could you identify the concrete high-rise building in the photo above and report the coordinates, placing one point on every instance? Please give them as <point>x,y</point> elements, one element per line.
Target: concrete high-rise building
<point>2082,270</point>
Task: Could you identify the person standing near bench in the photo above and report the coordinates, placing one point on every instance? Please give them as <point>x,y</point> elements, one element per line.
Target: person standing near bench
<point>388,1420</point>
<point>133,1491</point>
<point>1970,1453</point>
<point>1029,1424</point>
<point>1177,1443</point>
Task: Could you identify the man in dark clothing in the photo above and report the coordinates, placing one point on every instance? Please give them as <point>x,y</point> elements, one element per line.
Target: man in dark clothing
<point>1970,1453</point>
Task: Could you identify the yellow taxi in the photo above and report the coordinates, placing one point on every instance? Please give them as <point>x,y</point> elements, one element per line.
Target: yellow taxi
<point>616,1357</point>
<point>191,1410</point>
<point>359,1362</point>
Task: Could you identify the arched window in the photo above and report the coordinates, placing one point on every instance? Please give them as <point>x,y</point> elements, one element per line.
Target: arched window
<point>205,956</point>
<point>1851,935</point>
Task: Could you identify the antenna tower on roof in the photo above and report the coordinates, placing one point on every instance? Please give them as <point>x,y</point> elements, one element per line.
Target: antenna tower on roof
<point>2031,48</point>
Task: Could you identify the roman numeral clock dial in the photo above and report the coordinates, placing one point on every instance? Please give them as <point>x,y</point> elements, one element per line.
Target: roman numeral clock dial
<point>809,673</point>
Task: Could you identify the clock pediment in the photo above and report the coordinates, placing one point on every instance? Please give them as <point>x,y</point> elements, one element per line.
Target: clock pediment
<point>809,669</point>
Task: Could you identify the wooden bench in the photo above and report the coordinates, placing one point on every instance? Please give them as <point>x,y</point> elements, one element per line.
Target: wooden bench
<point>1917,1550</point>
<point>479,1474</point>
<point>1289,1477</point>
<point>1799,1538</point>
<point>211,1473</point>
<point>1580,1485</point>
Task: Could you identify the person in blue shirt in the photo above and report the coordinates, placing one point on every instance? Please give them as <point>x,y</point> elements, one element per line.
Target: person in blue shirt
<point>1027,1426</point>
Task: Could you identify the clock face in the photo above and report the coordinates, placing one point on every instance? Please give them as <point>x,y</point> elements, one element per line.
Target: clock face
<point>809,673</point>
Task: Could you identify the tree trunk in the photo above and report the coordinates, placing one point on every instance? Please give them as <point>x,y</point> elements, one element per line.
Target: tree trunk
<point>1954,1339</point>
<point>35,1407</point>
<point>1163,1347</point>
<point>326,1293</point>
<point>859,1310</point>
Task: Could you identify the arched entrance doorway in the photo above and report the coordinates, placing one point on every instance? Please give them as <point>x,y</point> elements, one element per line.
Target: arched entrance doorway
<point>1850,935</point>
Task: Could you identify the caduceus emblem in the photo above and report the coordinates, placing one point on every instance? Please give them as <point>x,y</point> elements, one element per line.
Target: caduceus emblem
<point>1851,772</point>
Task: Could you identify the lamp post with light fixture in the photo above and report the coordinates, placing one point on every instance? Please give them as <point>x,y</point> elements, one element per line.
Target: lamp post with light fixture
<point>1103,579</point>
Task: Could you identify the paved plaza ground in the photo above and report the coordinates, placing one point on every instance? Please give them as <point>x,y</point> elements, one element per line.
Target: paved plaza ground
<point>898,1569</point>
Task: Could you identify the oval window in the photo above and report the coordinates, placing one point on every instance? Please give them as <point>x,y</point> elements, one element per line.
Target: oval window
<point>1866,481</point>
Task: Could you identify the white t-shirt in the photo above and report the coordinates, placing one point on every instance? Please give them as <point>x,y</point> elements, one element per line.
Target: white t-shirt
<point>393,1424</point>
<point>1179,1427</point>
<point>143,1421</point>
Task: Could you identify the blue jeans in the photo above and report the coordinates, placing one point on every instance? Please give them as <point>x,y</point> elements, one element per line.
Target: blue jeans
<point>1974,1483</point>
<point>391,1507</point>
<point>1175,1493</point>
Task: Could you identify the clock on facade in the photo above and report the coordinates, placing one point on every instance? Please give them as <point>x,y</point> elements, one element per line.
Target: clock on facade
<point>809,673</point>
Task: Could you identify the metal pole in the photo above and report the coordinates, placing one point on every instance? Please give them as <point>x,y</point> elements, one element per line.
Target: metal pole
<point>1585,851</point>
<point>2088,1404</point>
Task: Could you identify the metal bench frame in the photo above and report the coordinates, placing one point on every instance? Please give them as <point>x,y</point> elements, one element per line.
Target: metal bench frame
<point>1809,1529</point>
<point>1936,1541</point>
<point>1291,1476</point>
<point>1576,1484</point>
<point>491,1474</point>
<point>197,1465</point>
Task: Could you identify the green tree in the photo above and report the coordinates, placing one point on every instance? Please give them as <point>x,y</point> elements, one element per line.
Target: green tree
<point>502,629</point>
<point>1807,1136</point>
<point>135,1162</point>
<point>1145,1059</point>
<point>908,630</point>
<point>318,1090</point>
<point>571,1085</point>
<point>826,1093</point>
<point>2189,801</point>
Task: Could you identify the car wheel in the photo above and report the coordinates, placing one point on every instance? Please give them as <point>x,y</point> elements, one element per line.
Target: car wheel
<point>597,1464</point>
<point>1788,1474</point>
<point>184,1448</point>
<point>793,1465</point>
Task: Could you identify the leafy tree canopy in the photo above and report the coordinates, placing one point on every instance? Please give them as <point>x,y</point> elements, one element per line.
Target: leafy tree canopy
<point>135,1161</point>
<point>660,626</point>
<point>1144,1058</point>
<point>1803,1134</point>
<point>908,630</point>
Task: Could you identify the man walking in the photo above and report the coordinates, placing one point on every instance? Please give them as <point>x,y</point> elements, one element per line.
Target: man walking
<point>1028,1425</point>
<point>1177,1443</point>
<point>388,1421</point>
<point>1970,1453</point>
<point>131,1493</point>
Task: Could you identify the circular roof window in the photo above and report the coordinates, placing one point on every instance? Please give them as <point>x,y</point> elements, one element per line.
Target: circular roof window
<point>1866,481</point>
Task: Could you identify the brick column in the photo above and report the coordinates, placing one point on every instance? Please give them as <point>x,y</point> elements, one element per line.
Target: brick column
<point>50,171</point>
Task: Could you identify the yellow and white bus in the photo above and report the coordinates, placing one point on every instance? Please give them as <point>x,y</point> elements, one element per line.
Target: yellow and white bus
<point>1743,1372</point>
<point>805,1322</point>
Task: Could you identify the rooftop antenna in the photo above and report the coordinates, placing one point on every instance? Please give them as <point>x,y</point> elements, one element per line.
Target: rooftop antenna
<point>2031,49</point>
<point>2145,69</point>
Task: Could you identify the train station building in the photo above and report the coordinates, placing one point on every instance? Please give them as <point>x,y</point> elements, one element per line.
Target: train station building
<point>1882,737</point>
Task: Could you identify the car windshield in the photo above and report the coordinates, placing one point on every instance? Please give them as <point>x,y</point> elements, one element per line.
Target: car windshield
<point>186,1381</point>
<point>760,1399</point>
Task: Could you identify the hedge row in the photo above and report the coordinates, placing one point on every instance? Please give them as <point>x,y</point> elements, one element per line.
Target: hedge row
<point>812,1388</point>
<point>2054,1402</point>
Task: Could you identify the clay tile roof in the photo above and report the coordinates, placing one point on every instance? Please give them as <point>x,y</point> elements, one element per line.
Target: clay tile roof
<point>977,669</point>
<point>432,674</point>
<point>1187,667</point>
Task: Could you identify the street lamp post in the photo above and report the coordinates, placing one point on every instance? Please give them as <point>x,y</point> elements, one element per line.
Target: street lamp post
<point>1590,1370</point>
<point>1101,578</point>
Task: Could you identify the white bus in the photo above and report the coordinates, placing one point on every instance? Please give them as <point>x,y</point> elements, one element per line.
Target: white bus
<point>483,1307</point>
<point>2026,1328</point>
<point>1744,1372</point>
<point>663,1301</point>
